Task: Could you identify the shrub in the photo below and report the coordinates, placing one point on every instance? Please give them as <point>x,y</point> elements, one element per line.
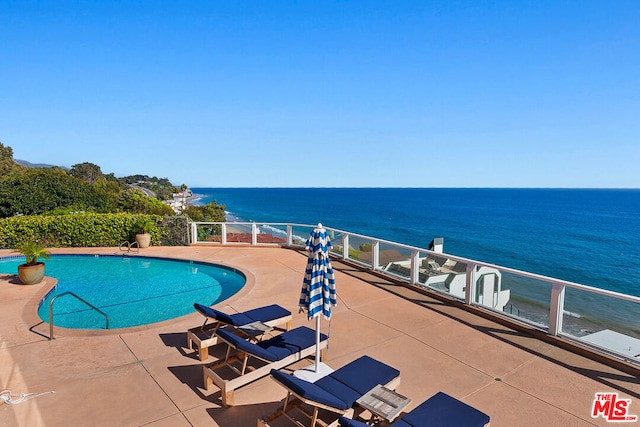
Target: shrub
<point>211,212</point>
<point>366,247</point>
<point>135,201</point>
<point>38,190</point>
<point>84,230</point>
<point>174,231</point>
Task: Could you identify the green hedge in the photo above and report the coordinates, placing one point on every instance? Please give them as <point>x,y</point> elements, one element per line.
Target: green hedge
<point>174,231</point>
<point>88,230</point>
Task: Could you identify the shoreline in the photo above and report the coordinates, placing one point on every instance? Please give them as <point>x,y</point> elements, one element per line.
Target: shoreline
<point>574,324</point>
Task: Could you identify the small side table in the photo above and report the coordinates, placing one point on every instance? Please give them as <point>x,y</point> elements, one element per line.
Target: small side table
<point>255,330</point>
<point>383,403</point>
<point>202,337</point>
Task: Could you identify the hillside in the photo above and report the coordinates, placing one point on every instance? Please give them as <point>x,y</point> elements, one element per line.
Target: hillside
<point>37,165</point>
<point>33,189</point>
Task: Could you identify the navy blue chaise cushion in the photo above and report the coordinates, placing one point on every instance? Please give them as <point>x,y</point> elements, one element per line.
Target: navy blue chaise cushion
<point>342,387</point>
<point>276,348</point>
<point>260,314</point>
<point>439,410</point>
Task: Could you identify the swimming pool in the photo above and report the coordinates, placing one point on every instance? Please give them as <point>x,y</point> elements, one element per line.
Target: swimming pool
<point>132,291</point>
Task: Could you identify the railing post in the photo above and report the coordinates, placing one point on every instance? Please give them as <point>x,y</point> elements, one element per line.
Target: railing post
<point>345,246</point>
<point>469,287</point>
<point>557,308</point>
<point>254,233</point>
<point>375,255</point>
<point>223,230</point>
<point>289,234</point>
<point>194,232</point>
<point>415,267</point>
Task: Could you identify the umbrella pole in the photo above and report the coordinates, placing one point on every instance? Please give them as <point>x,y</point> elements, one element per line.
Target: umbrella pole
<point>317,343</point>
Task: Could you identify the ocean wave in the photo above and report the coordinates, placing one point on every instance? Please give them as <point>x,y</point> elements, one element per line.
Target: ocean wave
<point>230,217</point>
<point>276,231</point>
<point>572,314</point>
<point>273,230</point>
<point>196,199</point>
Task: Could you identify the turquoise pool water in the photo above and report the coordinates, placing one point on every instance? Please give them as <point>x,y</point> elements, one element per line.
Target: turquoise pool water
<point>132,291</point>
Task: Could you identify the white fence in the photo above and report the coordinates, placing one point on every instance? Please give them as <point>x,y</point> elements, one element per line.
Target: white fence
<point>598,318</point>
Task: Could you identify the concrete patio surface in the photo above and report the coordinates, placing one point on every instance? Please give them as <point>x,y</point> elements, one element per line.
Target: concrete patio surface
<point>146,376</point>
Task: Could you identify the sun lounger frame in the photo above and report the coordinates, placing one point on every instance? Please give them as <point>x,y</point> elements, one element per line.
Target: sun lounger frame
<point>193,339</point>
<point>247,373</point>
<point>295,401</point>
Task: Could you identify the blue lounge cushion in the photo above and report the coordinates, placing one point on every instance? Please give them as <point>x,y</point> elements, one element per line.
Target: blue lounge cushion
<point>309,390</point>
<point>446,411</point>
<point>439,410</point>
<point>267,313</point>
<point>348,422</point>
<point>291,342</point>
<point>276,348</point>
<point>260,314</point>
<point>356,378</point>
<point>363,374</point>
<point>236,319</point>
<point>341,388</point>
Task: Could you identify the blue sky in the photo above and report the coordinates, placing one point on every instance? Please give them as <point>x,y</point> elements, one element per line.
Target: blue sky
<point>328,93</point>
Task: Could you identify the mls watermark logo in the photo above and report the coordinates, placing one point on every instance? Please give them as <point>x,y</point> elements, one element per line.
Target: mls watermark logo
<point>612,408</point>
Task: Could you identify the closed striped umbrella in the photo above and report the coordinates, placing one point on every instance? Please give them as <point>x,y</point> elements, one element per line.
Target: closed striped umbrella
<point>319,284</point>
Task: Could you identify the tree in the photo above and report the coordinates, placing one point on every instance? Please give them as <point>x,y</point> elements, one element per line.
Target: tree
<point>87,172</point>
<point>7,164</point>
<point>110,188</point>
<point>39,190</point>
<point>34,191</point>
<point>135,201</point>
<point>211,212</point>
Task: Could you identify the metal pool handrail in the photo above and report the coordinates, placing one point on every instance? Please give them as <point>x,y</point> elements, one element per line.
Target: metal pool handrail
<point>77,297</point>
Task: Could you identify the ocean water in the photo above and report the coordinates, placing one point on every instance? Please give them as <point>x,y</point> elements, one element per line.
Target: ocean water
<point>589,236</point>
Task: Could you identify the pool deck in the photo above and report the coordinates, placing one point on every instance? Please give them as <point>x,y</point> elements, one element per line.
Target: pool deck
<point>147,376</point>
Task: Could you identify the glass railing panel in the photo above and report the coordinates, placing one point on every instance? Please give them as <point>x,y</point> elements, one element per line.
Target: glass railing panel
<point>604,321</point>
<point>528,298</point>
<point>238,232</point>
<point>443,274</point>
<point>209,233</point>
<point>300,234</point>
<point>360,250</point>
<point>271,233</point>
<point>337,242</point>
<point>394,260</point>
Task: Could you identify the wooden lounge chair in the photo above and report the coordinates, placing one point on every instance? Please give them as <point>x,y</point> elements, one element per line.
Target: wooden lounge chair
<point>439,410</point>
<point>274,353</point>
<point>203,337</point>
<point>336,392</point>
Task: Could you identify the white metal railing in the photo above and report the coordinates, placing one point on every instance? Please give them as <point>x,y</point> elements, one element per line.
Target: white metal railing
<point>465,279</point>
